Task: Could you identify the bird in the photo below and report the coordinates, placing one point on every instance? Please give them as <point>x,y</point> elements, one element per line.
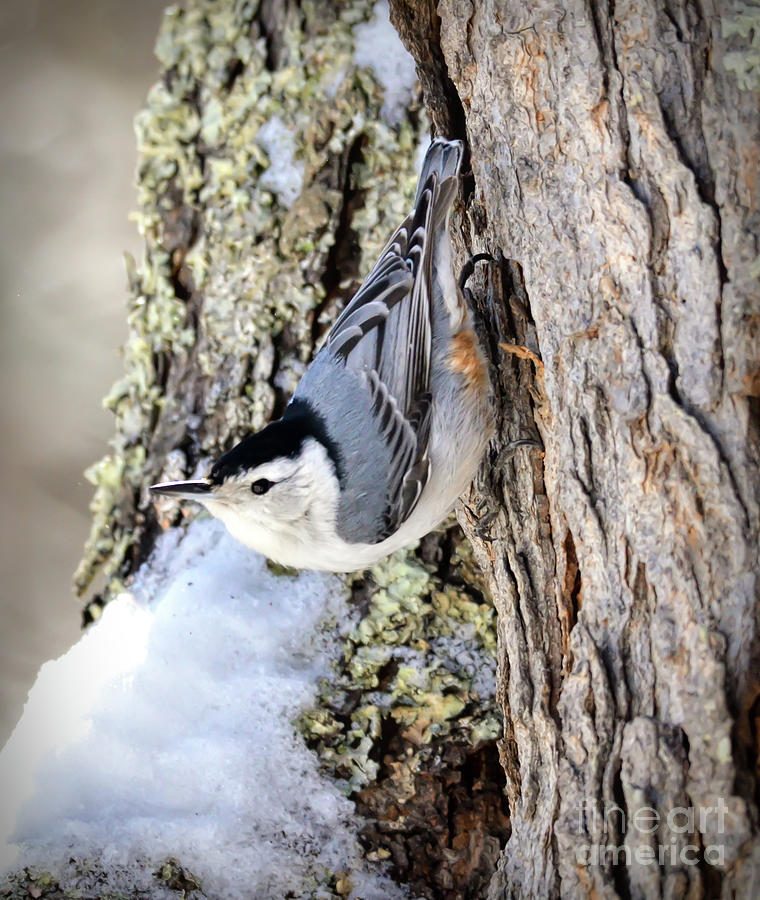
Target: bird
<point>389,422</point>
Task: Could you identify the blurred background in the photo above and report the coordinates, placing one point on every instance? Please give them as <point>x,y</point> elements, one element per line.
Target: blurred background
<point>74,73</point>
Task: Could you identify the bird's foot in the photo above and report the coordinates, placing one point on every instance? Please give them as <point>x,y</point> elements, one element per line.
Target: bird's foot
<point>493,477</point>
<point>486,509</point>
<point>507,452</point>
<point>469,267</point>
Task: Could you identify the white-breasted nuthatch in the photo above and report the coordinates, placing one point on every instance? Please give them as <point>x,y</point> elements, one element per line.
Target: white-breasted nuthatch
<point>389,422</point>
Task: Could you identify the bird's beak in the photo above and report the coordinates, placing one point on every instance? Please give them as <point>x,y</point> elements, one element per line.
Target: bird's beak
<point>183,490</point>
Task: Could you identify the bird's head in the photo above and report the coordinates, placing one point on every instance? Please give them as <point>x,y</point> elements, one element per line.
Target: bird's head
<point>274,489</point>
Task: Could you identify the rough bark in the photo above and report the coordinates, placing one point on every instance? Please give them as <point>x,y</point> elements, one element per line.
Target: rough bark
<point>614,159</point>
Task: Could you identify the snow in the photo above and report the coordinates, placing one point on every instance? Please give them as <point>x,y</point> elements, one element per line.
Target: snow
<point>168,731</point>
<point>284,176</point>
<point>378,46</point>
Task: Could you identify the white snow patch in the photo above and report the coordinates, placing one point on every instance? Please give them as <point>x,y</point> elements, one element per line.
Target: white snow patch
<point>284,176</point>
<point>378,46</point>
<point>168,731</point>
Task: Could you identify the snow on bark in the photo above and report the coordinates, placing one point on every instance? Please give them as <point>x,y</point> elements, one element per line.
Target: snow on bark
<point>168,731</point>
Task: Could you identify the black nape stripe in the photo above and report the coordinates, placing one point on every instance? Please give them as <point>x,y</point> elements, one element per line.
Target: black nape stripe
<point>284,437</point>
<point>313,425</point>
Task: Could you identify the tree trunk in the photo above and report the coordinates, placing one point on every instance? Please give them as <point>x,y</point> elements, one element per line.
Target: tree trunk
<point>614,150</point>
<point>614,159</point>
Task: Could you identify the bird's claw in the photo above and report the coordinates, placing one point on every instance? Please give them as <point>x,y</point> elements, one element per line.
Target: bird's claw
<point>469,267</point>
<point>506,453</point>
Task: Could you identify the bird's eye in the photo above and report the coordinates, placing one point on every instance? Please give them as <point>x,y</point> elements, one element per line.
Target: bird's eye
<point>261,486</point>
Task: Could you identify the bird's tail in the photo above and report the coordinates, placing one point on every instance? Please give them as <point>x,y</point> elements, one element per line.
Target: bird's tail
<point>443,158</point>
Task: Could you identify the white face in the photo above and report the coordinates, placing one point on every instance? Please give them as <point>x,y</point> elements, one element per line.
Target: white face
<point>294,503</point>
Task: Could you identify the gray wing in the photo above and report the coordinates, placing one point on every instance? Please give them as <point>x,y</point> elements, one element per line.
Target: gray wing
<point>384,335</point>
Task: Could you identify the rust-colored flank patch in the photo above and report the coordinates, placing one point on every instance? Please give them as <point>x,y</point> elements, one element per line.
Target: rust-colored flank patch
<point>466,358</point>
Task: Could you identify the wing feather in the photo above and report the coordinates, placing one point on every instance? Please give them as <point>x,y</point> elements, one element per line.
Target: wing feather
<point>385,335</point>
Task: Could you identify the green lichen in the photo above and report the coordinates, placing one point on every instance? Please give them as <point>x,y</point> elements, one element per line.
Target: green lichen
<point>421,657</point>
<point>743,22</point>
<point>408,722</point>
<point>177,878</point>
<point>231,277</point>
<point>170,880</point>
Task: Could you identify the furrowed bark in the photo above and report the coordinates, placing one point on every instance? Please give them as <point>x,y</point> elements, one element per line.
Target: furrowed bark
<point>614,158</point>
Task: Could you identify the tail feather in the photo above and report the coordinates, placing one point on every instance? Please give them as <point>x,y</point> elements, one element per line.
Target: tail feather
<point>444,158</point>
